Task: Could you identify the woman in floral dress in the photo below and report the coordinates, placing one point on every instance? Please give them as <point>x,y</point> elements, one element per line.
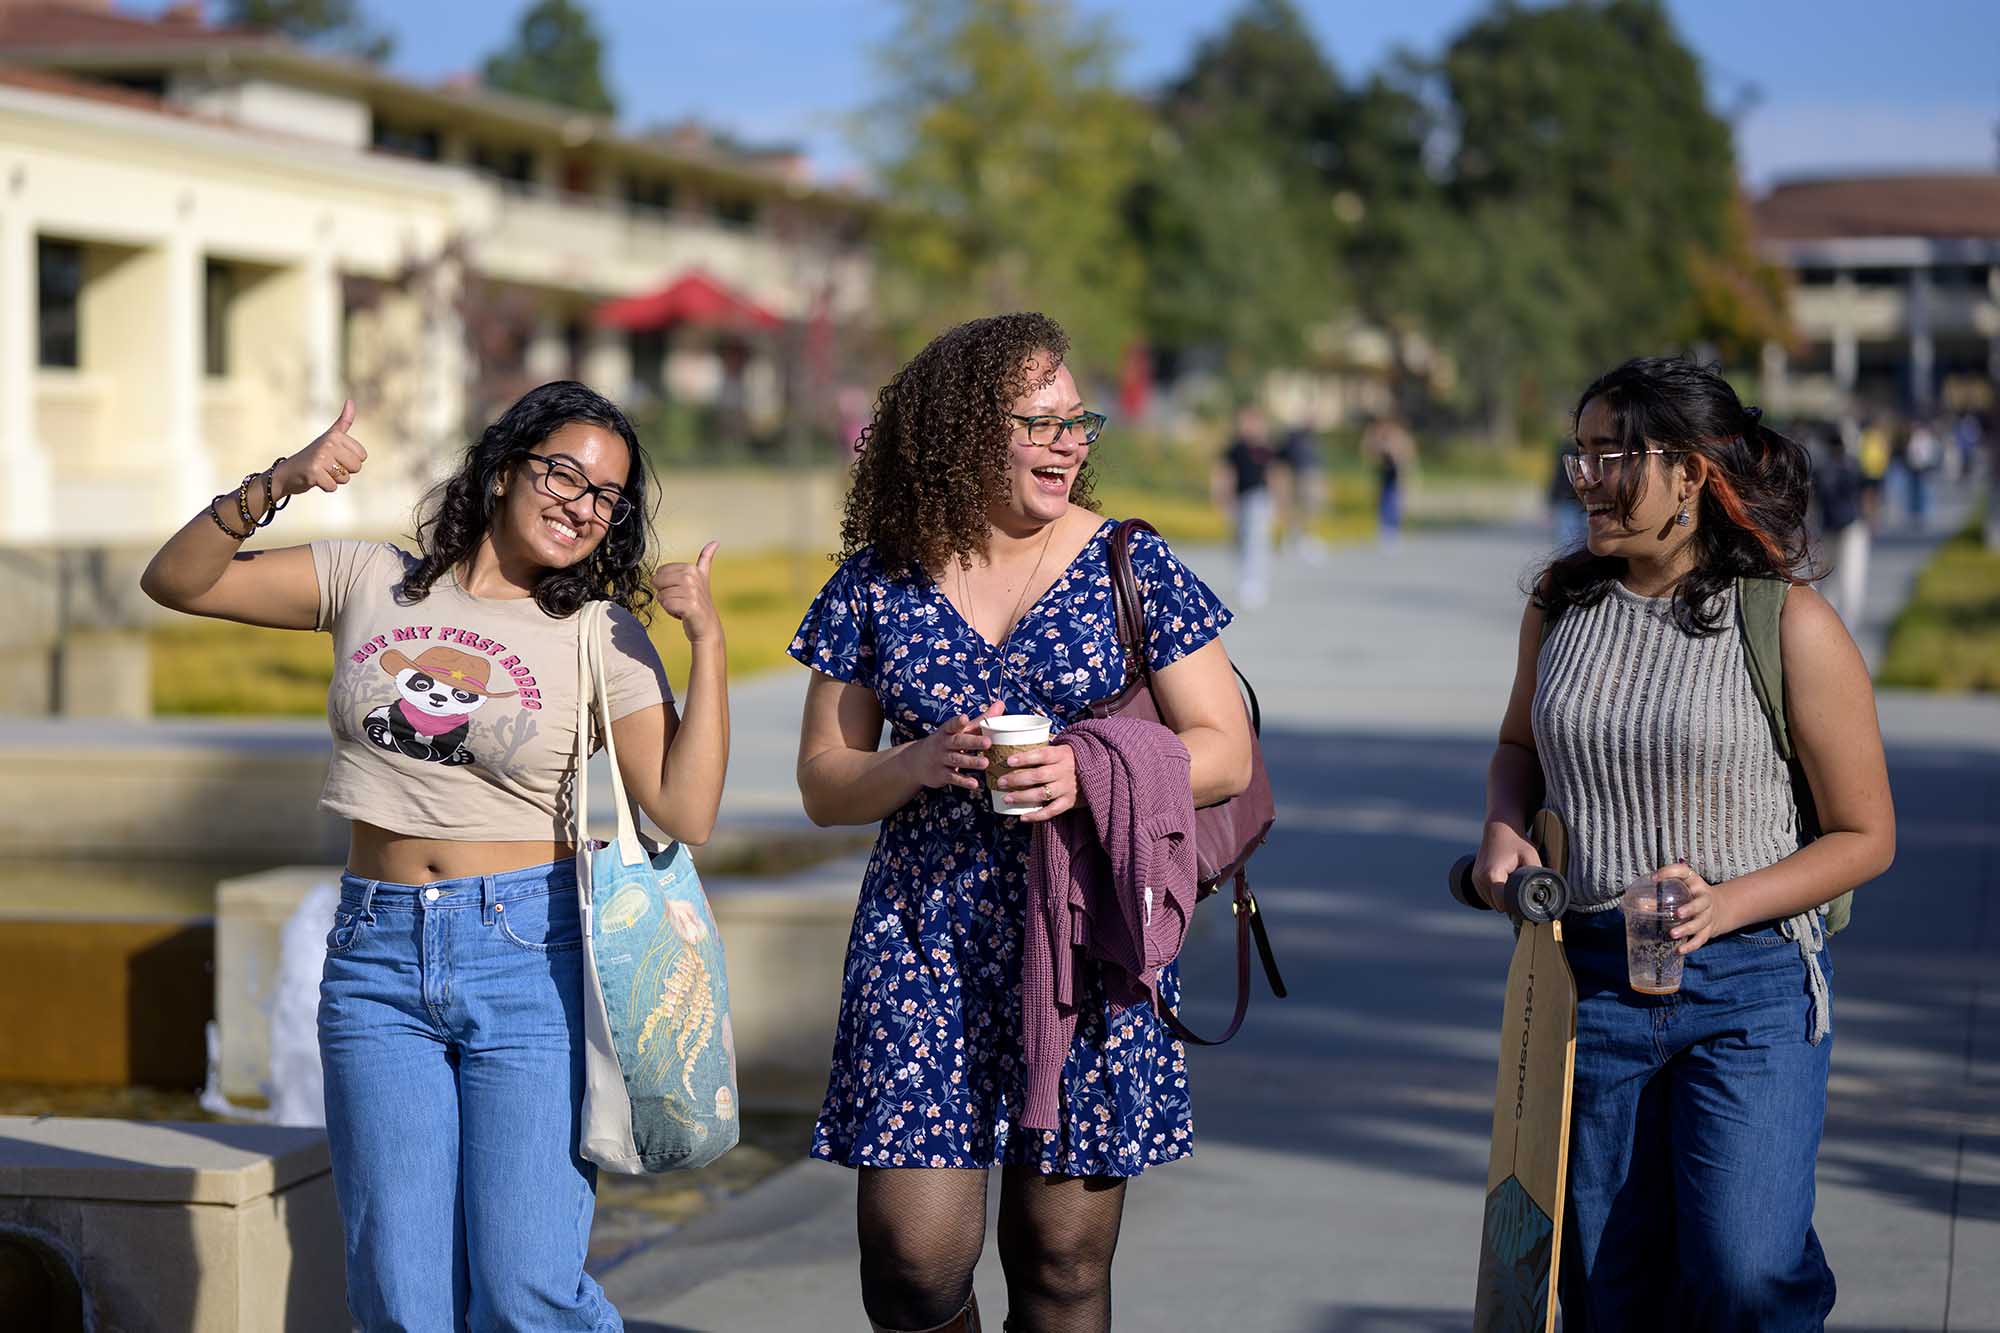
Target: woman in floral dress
<point>976,580</point>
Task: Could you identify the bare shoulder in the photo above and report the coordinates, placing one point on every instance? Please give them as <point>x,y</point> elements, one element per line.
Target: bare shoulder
<point>1813,637</point>
<point>1809,620</point>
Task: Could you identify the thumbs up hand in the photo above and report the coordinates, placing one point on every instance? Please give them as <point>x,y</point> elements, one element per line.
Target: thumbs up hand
<point>329,462</point>
<point>684,594</point>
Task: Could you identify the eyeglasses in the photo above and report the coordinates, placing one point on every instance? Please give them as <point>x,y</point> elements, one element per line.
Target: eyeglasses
<point>565,483</point>
<point>1044,431</point>
<point>1588,469</point>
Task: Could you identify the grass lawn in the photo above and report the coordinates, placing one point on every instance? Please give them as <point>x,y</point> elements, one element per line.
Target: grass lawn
<point>1948,634</point>
<point>213,667</point>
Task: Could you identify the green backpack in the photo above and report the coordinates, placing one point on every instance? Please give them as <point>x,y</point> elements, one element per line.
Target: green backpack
<point>1760,603</point>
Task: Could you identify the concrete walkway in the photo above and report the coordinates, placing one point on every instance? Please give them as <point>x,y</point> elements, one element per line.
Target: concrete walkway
<point>1338,1183</point>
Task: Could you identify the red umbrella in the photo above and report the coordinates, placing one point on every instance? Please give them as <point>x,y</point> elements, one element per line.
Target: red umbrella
<point>693,298</point>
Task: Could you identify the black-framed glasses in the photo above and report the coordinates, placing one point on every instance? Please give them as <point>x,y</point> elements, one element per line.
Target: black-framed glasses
<point>1046,430</point>
<point>564,482</point>
<point>1588,469</point>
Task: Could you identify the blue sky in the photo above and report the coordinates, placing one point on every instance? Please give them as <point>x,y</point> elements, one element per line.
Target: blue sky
<point>1840,84</point>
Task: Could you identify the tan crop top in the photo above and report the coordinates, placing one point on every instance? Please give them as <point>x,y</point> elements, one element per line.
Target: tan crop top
<point>455,717</point>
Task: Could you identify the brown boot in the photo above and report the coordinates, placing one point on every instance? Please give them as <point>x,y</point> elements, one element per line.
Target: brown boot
<point>965,1321</point>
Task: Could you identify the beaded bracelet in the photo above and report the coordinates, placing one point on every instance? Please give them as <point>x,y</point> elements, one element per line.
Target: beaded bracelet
<point>216,514</point>
<point>270,508</point>
<point>243,502</point>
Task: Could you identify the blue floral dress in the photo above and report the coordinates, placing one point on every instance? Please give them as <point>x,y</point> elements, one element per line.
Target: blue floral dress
<point>927,1067</point>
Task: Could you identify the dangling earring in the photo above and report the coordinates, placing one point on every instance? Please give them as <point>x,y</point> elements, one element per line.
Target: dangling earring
<point>1682,518</point>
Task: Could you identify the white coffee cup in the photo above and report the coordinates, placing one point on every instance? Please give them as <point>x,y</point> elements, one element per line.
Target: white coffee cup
<point>1014,731</point>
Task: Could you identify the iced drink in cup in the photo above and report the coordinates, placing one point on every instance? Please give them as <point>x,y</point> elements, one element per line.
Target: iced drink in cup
<point>1012,733</point>
<point>1653,959</point>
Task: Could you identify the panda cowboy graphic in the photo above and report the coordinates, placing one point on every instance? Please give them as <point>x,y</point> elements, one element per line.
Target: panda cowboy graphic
<point>441,690</point>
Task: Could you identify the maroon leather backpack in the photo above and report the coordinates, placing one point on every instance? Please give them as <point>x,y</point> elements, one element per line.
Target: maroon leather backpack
<point>1227,833</point>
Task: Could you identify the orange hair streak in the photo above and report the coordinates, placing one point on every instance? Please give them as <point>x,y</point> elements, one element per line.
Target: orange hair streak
<point>1738,513</point>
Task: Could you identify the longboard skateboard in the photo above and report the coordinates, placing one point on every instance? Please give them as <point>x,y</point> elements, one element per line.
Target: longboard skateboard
<point>1520,1245</point>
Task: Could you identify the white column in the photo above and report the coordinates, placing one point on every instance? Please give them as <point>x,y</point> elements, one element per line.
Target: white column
<point>189,469</point>
<point>1846,349</point>
<point>25,498</point>
<point>547,355</point>
<point>324,391</point>
<point>1777,385</point>
<point>607,363</point>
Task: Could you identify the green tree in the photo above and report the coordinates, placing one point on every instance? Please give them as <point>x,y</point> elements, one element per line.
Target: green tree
<point>1592,115</point>
<point>1006,152</point>
<point>1233,211</point>
<point>1265,72</point>
<point>336,25</point>
<point>556,56</point>
<point>1551,195</point>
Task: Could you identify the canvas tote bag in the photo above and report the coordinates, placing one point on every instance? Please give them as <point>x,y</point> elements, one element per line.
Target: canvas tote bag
<point>659,1059</point>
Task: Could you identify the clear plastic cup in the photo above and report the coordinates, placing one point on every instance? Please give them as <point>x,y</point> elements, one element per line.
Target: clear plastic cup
<point>1011,733</point>
<point>1653,960</point>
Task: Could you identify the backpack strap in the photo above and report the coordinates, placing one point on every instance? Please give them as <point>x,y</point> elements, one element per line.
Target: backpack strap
<point>1760,609</point>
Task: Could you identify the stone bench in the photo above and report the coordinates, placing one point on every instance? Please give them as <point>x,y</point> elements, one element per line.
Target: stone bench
<point>175,1228</point>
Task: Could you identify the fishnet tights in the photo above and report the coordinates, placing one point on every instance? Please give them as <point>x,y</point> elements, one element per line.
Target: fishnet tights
<point>922,1230</point>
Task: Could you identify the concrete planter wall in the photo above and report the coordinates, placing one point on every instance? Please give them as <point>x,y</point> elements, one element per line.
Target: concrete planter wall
<point>181,1228</point>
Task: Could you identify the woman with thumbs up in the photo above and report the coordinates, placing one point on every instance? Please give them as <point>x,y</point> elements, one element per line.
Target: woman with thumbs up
<point>450,1028</point>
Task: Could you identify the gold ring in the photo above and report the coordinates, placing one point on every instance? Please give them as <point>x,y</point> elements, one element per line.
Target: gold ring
<point>339,472</point>
<point>1048,794</point>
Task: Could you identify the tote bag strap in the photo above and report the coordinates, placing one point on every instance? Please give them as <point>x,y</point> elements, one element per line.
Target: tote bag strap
<point>591,686</point>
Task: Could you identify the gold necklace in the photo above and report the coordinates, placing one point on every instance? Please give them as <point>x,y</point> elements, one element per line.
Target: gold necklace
<point>965,590</point>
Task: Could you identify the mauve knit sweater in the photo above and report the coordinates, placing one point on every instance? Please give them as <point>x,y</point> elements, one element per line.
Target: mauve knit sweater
<point>1113,879</point>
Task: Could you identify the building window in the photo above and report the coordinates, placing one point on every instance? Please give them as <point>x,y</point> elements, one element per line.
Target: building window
<point>649,192</point>
<point>421,144</point>
<point>1881,277</point>
<point>648,349</point>
<point>737,212</point>
<point>515,165</point>
<point>218,290</point>
<point>1817,276</point>
<point>58,294</point>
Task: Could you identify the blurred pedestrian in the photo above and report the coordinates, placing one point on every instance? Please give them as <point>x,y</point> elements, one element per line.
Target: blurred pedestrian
<point>1923,453</point>
<point>1388,444</point>
<point>1299,451</point>
<point>976,579</point>
<point>1242,485</point>
<point>1843,531</point>
<point>1566,516</point>
<point>450,1026</point>
<point>1875,452</point>
<point>1696,1116</point>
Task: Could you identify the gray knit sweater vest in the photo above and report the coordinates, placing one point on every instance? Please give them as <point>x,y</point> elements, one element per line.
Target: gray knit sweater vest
<point>1642,728</point>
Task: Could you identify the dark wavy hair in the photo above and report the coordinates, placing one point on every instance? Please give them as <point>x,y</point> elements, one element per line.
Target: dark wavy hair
<point>455,516</point>
<point>1755,487</point>
<point>933,461</point>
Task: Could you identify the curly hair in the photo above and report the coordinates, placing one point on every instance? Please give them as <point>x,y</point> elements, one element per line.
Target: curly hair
<point>1755,487</point>
<point>933,461</point>
<point>456,515</point>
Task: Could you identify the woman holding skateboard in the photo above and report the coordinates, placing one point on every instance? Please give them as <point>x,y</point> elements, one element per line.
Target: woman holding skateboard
<point>1634,717</point>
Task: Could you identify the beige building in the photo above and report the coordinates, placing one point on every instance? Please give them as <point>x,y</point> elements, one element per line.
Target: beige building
<point>208,238</point>
<point>1896,291</point>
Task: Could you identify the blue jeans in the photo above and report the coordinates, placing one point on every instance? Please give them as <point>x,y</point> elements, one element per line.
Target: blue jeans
<point>450,1029</point>
<point>1696,1123</point>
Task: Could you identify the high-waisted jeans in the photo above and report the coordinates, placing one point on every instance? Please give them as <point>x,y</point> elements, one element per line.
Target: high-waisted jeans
<point>1695,1127</point>
<point>450,1029</point>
